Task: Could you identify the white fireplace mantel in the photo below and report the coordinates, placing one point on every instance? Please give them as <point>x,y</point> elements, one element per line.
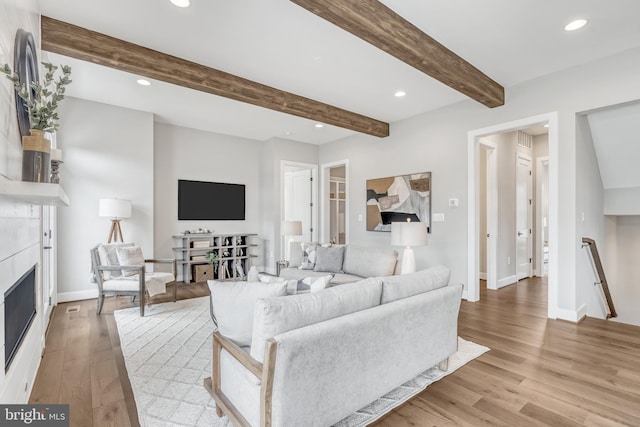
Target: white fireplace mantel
<point>34,192</point>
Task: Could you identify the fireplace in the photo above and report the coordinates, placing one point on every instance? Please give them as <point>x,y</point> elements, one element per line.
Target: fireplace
<point>19,312</point>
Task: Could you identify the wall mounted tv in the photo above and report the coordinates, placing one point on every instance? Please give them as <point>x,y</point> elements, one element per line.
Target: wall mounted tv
<point>200,200</point>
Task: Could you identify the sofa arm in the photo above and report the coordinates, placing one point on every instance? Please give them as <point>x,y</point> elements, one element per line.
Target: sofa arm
<point>262,372</point>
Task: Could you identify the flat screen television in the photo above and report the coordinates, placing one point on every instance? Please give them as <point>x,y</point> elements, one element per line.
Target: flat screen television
<point>200,200</point>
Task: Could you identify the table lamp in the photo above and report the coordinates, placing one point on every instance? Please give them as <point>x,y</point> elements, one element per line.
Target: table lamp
<point>116,209</point>
<point>408,234</point>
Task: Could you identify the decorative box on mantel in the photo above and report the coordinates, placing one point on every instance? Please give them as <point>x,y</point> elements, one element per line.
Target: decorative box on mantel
<point>34,192</point>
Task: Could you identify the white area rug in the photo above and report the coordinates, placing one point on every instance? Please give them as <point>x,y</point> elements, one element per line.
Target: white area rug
<point>168,354</point>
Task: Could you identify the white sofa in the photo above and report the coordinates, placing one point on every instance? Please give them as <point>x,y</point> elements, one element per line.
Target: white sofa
<point>316,358</point>
<point>357,263</point>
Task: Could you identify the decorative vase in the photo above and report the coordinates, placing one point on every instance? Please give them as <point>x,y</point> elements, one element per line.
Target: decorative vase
<point>36,157</point>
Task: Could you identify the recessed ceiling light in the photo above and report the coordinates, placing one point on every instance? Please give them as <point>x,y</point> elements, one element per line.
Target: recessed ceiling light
<point>143,82</point>
<point>547,125</point>
<point>400,94</point>
<point>319,125</point>
<point>575,25</point>
<point>288,133</point>
<point>181,3</point>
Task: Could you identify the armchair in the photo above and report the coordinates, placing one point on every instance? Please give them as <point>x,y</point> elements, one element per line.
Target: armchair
<point>135,285</point>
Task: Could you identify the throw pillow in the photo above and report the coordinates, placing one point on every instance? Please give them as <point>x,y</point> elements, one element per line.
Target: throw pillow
<point>233,303</point>
<point>309,251</point>
<point>329,259</point>
<point>130,256</point>
<point>108,256</point>
<point>317,283</point>
<point>268,278</point>
<point>407,285</point>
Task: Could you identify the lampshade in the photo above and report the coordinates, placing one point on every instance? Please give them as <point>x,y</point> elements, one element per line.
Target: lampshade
<point>408,234</point>
<point>115,208</point>
<point>292,228</point>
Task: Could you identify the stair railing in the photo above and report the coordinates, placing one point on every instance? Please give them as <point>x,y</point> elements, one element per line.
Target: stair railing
<point>602,284</point>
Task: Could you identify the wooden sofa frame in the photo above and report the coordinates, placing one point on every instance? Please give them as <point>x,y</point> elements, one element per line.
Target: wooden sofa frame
<point>263,371</point>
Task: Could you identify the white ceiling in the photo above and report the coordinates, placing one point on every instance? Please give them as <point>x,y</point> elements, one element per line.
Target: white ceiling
<point>279,44</point>
<point>617,144</point>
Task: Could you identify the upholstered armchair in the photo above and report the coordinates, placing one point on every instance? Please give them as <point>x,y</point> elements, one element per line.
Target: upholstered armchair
<point>129,277</point>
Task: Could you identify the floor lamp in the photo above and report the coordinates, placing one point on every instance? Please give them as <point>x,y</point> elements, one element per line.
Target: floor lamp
<point>408,234</point>
<point>115,209</point>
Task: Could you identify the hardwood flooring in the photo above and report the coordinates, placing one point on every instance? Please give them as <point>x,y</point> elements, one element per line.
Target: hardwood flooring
<point>538,372</point>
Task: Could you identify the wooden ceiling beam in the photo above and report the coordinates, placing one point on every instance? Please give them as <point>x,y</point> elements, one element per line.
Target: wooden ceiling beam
<point>80,43</point>
<point>380,26</point>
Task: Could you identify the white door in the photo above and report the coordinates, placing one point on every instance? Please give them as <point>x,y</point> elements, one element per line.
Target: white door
<point>524,209</point>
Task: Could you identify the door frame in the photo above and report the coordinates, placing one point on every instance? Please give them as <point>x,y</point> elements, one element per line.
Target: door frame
<point>491,213</point>
<point>472,289</point>
<point>530,214</point>
<point>541,162</point>
<point>324,200</point>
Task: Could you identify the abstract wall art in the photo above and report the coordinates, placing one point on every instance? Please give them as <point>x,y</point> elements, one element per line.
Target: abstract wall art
<point>397,198</point>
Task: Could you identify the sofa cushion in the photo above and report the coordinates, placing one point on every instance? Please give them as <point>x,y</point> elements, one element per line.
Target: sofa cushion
<point>233,306</point>
<point>295,254</point>
<point>273,316</point>
<point>369,262</point>
<point>338,278</point>
<point>406,285</point>
<point>329,259</point>
<point>309,252</point>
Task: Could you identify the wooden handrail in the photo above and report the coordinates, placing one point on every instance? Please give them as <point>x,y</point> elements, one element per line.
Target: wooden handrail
<point>604,286</point>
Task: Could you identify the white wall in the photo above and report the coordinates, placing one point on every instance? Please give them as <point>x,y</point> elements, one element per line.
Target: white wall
<point>437,141</point>
<point>482,206</point>
<point>108,153</point>
<point>623,277</point>
<point>590,213</point>
<point>182,153</point>
<point>622,201</point>
<point>540,149</point>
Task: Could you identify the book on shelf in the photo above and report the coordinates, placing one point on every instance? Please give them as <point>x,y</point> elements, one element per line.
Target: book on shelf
<point>199,258</point>
<point>200,244</point>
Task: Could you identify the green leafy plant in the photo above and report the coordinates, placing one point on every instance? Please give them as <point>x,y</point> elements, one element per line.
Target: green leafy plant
<point>42,107</point>
<point>212,258</point>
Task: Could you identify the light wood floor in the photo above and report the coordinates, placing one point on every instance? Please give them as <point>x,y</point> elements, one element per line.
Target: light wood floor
<point>538,372</point>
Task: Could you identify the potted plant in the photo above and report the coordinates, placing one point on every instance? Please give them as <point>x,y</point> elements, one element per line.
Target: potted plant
<point>213,258</point>
<point>41,101</point>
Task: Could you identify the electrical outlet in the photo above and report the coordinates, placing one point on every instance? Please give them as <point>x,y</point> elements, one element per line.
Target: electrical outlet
<point>438,217</point>
<point>453,203</point>
<point>359,217</point>
<point>509,260</point>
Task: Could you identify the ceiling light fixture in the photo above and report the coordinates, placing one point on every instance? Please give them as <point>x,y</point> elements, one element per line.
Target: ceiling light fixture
<point>575,25</point>
<point>143,82</point>
<point>319,125</point>
<point>400,94</point>
<point>181,3</point>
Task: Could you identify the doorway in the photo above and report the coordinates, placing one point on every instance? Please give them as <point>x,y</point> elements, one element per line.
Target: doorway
<point>299,200</point>
<point>335,202</point>
<point>472,291</point>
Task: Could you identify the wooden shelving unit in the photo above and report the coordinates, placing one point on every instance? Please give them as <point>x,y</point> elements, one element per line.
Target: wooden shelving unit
<point>233,250</point>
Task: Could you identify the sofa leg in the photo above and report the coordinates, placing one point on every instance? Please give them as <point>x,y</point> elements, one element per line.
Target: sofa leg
<point>219,412</point>
<point>444,365</point>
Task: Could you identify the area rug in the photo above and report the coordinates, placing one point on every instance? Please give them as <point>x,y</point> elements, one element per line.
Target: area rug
<point>167,354</point>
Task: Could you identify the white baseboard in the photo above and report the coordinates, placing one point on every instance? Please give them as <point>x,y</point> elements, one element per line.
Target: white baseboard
<point>506,281</point>
<point>77,295</point>
<point>482,276</point>
<point>570,315</point>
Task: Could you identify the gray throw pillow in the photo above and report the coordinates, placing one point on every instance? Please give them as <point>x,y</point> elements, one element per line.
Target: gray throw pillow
<point>329,259</point>
<point>309,251</point>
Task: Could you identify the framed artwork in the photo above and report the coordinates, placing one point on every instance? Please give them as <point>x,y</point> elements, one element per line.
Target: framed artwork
<point>397,198</point>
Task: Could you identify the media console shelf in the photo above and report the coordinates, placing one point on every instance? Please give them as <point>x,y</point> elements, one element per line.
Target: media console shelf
<point>233,251</point>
